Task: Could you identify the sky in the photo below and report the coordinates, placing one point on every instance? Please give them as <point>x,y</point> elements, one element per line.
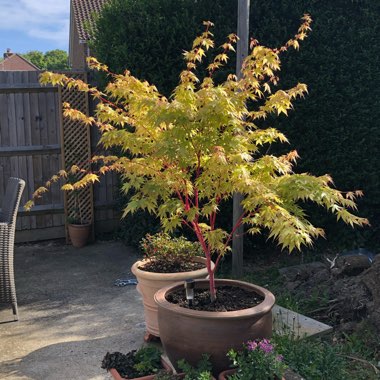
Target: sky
<point>27,25</point>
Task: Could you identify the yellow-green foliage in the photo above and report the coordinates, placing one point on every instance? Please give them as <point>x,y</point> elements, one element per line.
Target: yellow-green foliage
<point>186,154</point>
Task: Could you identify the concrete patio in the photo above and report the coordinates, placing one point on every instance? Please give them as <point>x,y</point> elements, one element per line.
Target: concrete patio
<point>70,312</point>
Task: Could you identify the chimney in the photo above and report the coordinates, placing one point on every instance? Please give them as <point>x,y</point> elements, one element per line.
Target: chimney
<point>8,53</point>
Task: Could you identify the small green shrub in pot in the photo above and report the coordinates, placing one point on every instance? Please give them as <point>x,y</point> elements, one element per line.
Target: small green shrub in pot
<point>167,251</point>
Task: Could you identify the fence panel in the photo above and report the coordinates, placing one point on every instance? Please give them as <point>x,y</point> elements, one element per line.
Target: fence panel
<point>30,148</point>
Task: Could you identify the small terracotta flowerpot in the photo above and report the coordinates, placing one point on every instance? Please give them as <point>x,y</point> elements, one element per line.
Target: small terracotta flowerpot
<point>150,282</point>
<point>166,366</point>
<point>79,234</point>
<point>187,333</point>
<point>117,376</point>
<point>225,374</point>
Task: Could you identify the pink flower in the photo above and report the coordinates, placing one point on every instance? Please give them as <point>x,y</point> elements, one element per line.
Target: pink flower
<point>266,346</point>
<point>252,344</point>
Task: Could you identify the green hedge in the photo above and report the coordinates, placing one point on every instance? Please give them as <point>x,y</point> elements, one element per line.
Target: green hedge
<point>335,129</point>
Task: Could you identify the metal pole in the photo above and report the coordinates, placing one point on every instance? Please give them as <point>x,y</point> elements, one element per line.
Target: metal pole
<point>242,52</point>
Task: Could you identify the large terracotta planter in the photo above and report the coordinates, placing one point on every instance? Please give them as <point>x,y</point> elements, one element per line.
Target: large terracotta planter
<point>189,333</point>
<point>150,282</point>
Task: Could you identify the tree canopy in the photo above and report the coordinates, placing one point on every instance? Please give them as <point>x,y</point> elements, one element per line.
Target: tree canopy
<point>51,60</point>
<point>335,129</point>
<point>185,155</point>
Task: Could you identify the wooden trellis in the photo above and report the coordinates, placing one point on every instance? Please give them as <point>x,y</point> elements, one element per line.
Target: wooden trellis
<point>76,150</point>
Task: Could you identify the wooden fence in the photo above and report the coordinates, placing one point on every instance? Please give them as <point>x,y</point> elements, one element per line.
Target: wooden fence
<point>30,148</point>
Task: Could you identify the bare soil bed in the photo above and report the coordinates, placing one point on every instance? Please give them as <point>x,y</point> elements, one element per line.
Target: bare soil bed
<point>349,292</point>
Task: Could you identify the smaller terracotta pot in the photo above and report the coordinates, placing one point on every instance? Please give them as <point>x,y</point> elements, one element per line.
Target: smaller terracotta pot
<point>150,282</point>
<point>79,234</point>
<point>224,375</point>
<point>166,366</point>
<point>117,376</point>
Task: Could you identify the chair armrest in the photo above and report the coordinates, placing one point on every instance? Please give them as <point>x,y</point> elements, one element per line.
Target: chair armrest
<point>4,226</point>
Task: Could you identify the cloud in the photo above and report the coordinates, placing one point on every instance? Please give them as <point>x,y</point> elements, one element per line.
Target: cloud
<point>44,19</point>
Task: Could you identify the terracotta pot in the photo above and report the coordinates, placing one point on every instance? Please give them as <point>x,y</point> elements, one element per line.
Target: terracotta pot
<point>115,374</point>
<point>79,234</point>
<point>224,375</point>
<point>150,282</point>
<point>189,333</point>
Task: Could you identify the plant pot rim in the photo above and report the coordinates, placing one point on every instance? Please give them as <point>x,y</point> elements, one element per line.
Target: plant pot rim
<point>79,225</point>
<point>261,309</point>
<point>224,374</point>
<point>165,365</point>
<point>116,375</point>
<point>175,276</point>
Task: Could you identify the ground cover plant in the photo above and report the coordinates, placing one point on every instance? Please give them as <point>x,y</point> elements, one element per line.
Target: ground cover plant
<point>320,359</point>
<point>258,360</point>
<point>189,153</point>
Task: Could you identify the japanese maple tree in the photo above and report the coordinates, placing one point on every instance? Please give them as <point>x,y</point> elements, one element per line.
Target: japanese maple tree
<point>185,155</point>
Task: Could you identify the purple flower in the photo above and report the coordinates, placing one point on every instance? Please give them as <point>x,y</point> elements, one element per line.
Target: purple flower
<point>265,346</point>
<point>280,358</point>
<point>252,345</point>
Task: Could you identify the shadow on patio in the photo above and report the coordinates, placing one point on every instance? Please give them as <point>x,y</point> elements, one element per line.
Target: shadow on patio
<point>71,314</point>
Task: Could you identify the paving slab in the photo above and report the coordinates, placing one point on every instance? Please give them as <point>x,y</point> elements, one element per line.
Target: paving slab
<point>286,321</point>
<point>70,312</point>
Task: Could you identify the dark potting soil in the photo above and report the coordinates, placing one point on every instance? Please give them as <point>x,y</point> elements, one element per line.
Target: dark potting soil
<point>228,298</point>
<point>159,266</point>
<point>123,363</point>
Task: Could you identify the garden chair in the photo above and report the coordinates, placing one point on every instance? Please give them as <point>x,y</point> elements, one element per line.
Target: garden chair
<point>8,213</point>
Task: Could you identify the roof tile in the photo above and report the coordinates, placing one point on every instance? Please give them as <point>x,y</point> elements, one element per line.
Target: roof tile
<point>83,12</point>
<point>16,62</point>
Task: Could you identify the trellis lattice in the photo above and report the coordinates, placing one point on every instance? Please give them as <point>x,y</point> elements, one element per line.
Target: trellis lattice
<point>76,150</point>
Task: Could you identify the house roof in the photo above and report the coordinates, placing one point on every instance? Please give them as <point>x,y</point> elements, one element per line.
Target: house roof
<point>15,62</point>
<point>83,11</point>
